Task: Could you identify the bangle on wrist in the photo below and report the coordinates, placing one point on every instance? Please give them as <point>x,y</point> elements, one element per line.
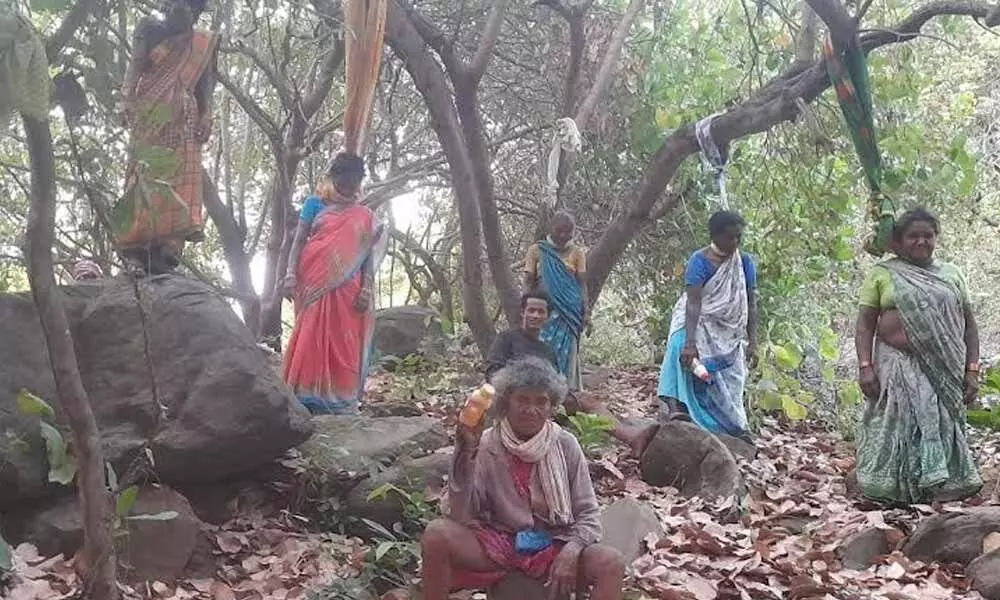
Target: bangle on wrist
<point>865,364</point>
<point>972,367</point>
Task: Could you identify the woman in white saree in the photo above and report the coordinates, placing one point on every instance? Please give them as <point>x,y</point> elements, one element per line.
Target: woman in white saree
<point>714,324</point>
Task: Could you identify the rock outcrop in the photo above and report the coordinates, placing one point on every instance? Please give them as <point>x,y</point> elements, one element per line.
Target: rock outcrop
<point>171,369</point>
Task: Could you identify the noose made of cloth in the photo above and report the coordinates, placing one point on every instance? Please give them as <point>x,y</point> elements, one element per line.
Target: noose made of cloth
<point>712,156</point>
<point>364,26</point>
<point>848,71</point>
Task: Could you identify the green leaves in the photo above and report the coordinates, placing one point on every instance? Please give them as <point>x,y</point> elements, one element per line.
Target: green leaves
<point>62,469</point>
<point>591,430</point>
<point>6,556</point>
<point>126,499</point>
<point>49,5</point>
<point>31,405</point>
<point>787,356</point>
<point>829,346</point>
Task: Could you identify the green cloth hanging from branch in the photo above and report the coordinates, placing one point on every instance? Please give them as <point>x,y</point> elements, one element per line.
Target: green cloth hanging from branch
<point>848,71</point>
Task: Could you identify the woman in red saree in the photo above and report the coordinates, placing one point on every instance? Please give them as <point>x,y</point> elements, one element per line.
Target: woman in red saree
<point>337,249</point>
<point>168,98</point>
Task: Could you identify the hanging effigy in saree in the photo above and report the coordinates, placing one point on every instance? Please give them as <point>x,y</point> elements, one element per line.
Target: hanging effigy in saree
<point>848,72</point>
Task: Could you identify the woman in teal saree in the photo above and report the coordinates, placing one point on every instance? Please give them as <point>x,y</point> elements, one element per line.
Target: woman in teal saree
<point>918,354</point>
<point>559,266</point>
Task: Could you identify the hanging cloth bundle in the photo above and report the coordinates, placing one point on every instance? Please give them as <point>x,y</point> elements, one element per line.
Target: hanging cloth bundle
<point>712,156</point>
<point>565,139</point>
<point>848,71</point>
<point>364,22</point>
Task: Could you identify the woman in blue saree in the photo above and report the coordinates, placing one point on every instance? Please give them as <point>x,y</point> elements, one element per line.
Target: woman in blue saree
<point>715,323</point>
<point>559,266</point>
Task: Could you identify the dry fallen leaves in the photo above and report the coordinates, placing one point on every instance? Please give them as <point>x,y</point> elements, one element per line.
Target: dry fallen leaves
<point>784,546</point>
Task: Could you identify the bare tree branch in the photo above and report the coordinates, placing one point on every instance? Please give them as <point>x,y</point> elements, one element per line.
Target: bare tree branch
<point>843,28</point>
<point>279,84</point>
<point>320,89</point>
<point>488,40</point>
<point>67,28</point>
<point>252,109</point>
<point>608,64</point>
<point>805,45</point>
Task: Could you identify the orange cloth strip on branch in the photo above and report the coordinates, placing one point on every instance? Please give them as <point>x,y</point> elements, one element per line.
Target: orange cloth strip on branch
<point>365,26</point>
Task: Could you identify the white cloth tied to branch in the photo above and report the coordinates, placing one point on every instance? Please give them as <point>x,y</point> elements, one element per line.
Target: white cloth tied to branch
<point>712,156</point>
<point>565,138</point>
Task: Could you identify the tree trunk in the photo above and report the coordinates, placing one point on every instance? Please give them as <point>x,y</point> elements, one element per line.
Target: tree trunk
<point>233,239</point>
<point>98,557</point>
<point>467,103</point>
<point>432,84</point>
<point>279,245</point>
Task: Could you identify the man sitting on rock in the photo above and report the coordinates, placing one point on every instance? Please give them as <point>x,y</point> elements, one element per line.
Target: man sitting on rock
<point>518,343</point>
<point>520,498</point>
<point>515,344</point>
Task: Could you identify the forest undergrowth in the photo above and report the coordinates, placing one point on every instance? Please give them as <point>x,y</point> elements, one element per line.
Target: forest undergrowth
<point>786,541</point>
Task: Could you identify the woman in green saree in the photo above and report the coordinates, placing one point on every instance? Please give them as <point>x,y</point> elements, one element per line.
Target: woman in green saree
<point>918,355</point>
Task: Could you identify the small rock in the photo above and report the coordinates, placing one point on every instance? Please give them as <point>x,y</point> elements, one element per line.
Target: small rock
<point>686,457</point>
<point>348,449</point>
<point>417,475</point>
<point>984,572</point>
<point>518,586</point>
<point>861,550</point>
<point>792,524</point>
<point>158,550</point>
<point>851,484</point>
<point>625,524</point>
<point>596,378</point>
<point>953,537</point>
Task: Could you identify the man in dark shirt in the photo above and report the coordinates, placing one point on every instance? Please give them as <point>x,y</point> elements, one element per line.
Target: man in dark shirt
<point>523,341</point>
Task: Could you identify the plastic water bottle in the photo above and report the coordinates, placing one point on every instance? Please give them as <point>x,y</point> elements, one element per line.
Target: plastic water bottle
<point>476,405</point>
<point>700,371</point>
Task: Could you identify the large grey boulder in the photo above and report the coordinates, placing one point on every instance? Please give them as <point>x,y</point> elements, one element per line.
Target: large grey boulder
<point>953,537</point>
<point>692,460</point>
<point>172,369</point>
<point>404,330</point>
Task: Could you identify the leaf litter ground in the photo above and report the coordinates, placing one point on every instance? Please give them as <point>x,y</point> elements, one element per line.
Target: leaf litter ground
<point>784,544</point>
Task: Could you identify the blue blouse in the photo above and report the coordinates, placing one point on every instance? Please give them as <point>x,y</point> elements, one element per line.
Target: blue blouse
<point>310,209</point>
<point>700,269</point>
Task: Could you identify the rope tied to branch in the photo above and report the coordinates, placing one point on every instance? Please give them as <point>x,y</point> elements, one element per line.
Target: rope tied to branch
<point>712,157</point>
